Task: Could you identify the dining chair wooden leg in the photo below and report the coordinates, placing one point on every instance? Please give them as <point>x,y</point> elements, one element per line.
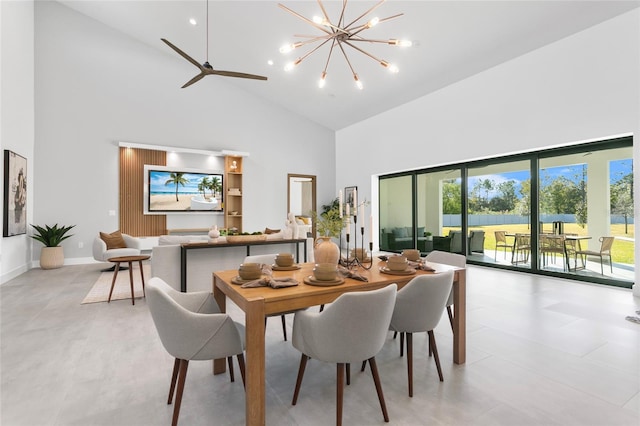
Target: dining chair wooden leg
<point>242,368</point>
<point>303,364</point>
<point>432,343</point>
<point>174,377</point>
<point>450,314</point>
<point>395,334</point>
<point>339,392</point>
<point>230,362</point>
<point>284,327</point>
<point>376,380</point>
<point>401,344</point>
<point>364,364</point>
<point>182,376</point>
<point>410,362</point>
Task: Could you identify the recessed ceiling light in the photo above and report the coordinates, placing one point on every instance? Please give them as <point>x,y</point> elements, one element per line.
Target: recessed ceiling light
<point>270,62</point>
<point>193,21</point>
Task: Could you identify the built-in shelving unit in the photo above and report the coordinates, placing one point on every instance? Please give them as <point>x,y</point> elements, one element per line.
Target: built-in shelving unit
<point>233,192</point>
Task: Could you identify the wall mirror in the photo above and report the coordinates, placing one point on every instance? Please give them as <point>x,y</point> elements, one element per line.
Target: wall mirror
<point>301,195</point>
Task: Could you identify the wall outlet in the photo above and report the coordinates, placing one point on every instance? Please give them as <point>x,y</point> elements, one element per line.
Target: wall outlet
<point>80,244</point>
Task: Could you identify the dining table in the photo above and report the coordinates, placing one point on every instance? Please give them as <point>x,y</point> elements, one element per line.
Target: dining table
<point>259,302</point>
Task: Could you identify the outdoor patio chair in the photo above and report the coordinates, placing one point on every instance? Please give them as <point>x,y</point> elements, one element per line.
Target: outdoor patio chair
<point>605,250</point>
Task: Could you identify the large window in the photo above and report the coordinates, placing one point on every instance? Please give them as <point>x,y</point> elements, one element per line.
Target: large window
<point>564,211</point>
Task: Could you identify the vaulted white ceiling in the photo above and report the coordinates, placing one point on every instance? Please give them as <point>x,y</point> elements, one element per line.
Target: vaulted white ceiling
<point>452,41</point>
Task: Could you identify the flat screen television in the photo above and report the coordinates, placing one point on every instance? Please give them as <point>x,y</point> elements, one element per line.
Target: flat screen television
<point>182,190</point>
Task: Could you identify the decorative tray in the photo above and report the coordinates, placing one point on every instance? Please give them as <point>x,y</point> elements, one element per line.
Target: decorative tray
<point>245,238</point>
<point>239,281</point>
<point>293,267</point>
<point>311,280</point>
<point>408,271</point>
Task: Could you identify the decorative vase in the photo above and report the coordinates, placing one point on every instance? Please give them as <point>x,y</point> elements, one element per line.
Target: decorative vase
<point>326,251</point>
<point>214,233</point>
<point>51,257</point>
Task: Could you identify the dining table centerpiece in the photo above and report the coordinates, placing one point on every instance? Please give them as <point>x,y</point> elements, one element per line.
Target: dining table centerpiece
<point>329,225</point>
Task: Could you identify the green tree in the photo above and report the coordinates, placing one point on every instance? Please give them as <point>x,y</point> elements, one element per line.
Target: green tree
<point>176,179</point>
<point>451,197</point>
<point>216,185</point>
<point>622,198</point>
<point>523,206</point>
<point>506,199</point>
<point>203,185</point>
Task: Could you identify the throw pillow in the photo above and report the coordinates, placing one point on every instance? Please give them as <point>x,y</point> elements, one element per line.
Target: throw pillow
<point>113,240</point>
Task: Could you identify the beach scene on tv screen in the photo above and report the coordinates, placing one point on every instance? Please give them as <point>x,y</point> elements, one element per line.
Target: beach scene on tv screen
<point>184,192</point>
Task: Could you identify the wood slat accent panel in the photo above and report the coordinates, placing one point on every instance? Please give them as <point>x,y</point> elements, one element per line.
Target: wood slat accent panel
<point>133,221</point>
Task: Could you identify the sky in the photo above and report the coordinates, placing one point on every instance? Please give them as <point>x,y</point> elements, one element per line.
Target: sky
<point>157,181</point>
<point>617,169</point>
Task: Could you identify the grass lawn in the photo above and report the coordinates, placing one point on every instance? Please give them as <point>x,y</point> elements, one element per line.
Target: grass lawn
<point>622,251</point>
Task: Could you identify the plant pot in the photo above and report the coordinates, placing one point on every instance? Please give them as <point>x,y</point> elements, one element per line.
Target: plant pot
<point>51,257</point>
<point>326,251</point>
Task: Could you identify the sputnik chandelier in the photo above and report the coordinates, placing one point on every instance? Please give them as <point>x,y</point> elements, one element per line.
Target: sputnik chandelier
<point>340,34</point>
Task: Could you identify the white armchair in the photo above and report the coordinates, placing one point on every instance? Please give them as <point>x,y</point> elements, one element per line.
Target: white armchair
<point>102,252</point>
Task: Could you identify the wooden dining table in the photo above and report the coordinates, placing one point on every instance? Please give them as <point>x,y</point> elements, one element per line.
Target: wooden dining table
<point>260,302</point>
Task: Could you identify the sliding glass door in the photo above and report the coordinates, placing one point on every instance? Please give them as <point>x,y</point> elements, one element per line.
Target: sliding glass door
<point>563,211</point>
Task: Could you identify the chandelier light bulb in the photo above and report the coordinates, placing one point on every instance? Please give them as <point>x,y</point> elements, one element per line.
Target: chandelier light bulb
<point>358,82</point>
<point>393,69</point>
<point>289,66</point>
<point>286,48</point>
<point>401,43</point>
<point>373,22</point>
<point>322,80</point>
<point>320,20</point>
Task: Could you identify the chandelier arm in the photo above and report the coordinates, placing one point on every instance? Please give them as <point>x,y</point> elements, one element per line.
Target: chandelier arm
<point>341,20</point>
<point>370,40</point>
<point>347,58</point>
<point>374,7</point>
<point>326,65</point>
<point>302,58</point>
<point>362,27</point>
<point>308,21</point>
<point>324,12</point>
<point>364,52</point>
<point>315,39</point>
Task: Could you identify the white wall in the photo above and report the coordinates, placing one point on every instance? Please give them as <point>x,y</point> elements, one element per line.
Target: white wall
<point>95,87</point>
<point>17,116</point>
<point>582,87</point>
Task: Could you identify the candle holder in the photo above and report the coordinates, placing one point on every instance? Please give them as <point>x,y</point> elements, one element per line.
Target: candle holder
<point>356,262</point>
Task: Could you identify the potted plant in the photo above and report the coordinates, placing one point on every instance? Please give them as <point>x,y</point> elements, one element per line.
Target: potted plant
<point>429,236</point>
<point>52,254</point>
<point>328,224</point>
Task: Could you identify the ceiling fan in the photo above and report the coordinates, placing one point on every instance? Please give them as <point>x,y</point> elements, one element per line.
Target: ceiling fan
<point>206,68</point>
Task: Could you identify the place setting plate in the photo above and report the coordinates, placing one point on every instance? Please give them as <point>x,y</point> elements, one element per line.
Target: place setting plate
<point>239,281</point>
<point>408,271</point>
<point>311,280</point>
<point>293,267</point>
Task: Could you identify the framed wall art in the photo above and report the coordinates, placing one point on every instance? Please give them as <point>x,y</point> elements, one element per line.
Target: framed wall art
<point>15,194</point>
<point>351,197</point>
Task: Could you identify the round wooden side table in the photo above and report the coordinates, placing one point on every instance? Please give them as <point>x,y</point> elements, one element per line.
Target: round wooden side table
<point>129,260</point>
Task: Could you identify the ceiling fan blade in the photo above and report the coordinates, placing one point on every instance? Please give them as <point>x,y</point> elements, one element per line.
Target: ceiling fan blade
<point>181,53</point>
<point>194,79</point>
<point>238,74</point>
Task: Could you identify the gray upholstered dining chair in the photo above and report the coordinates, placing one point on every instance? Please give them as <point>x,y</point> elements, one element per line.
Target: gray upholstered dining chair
<point>349,330</point>
<point>270,260</point>
<point>191,328</point>
<point>452,259</point>
<point>419,306</point>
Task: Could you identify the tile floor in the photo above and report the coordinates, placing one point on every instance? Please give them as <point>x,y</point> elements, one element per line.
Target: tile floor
<point>541,351</point>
